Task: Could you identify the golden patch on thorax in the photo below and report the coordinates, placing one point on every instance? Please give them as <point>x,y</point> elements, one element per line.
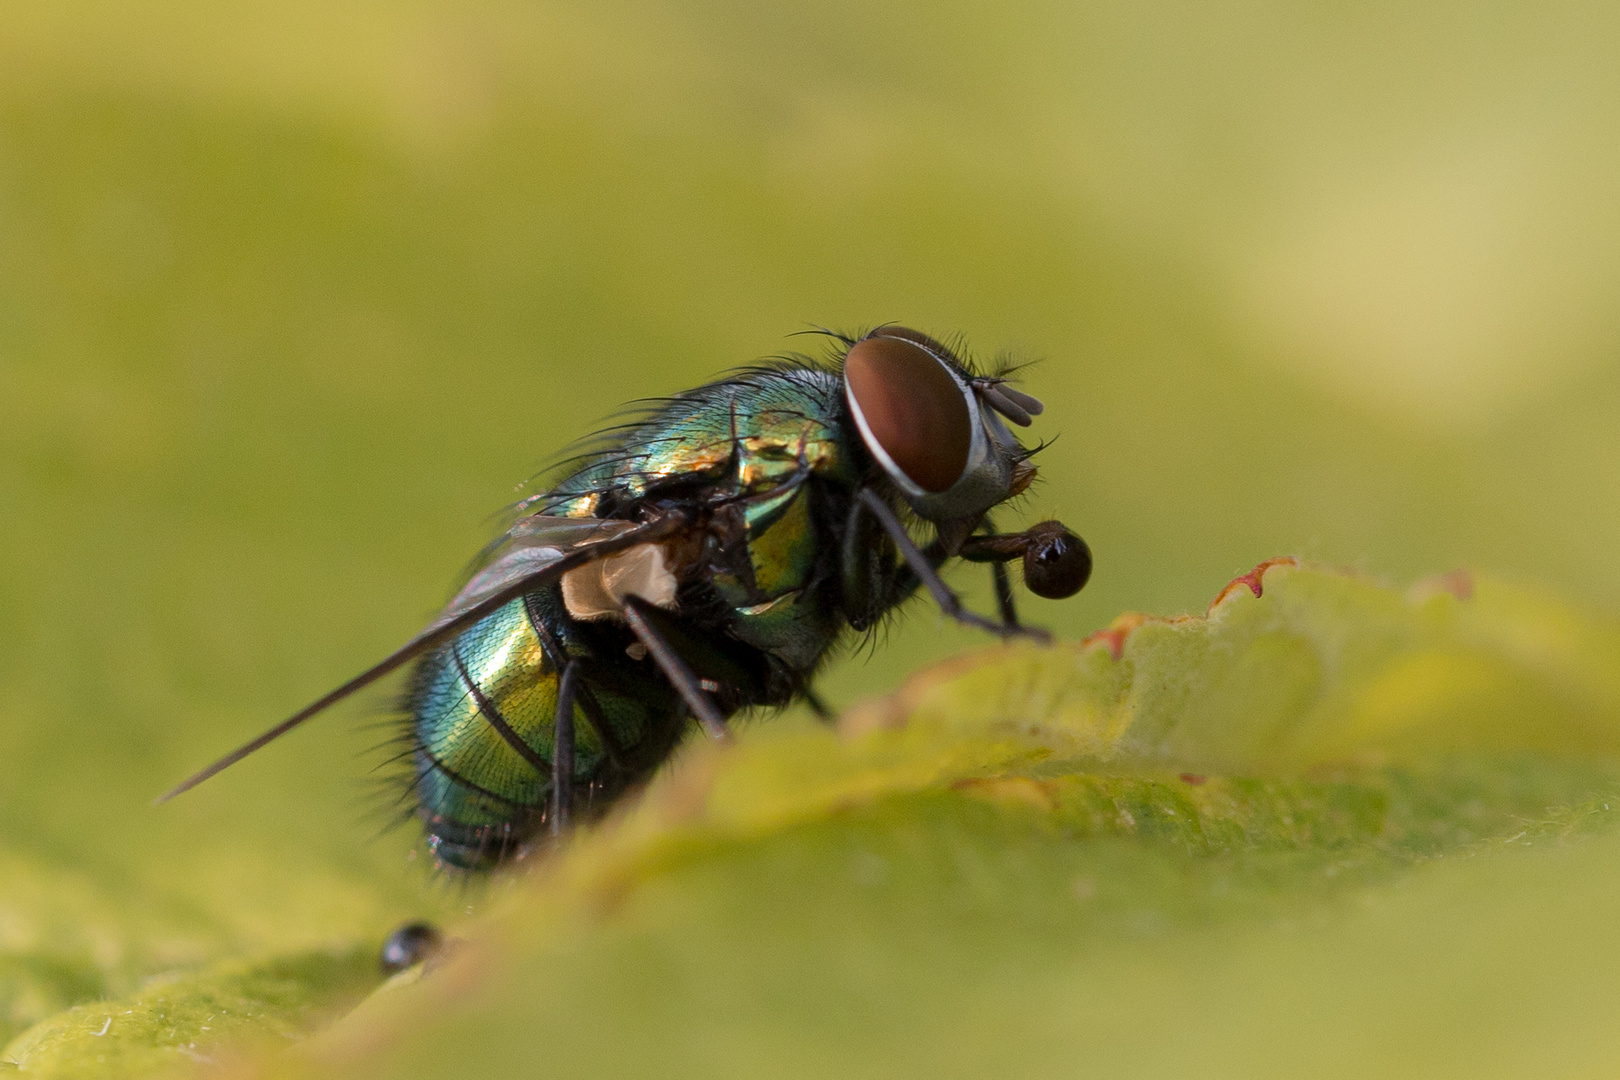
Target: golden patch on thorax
<point>774,457</point>
<point>582,506</point>
<point>693,459</point>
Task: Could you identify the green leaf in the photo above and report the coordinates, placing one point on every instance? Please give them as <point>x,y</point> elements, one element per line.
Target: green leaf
<point>1330,827</point>
<point>102,976</point>
<point>288,304</point>
<point>1170,843</point>
<point>177,1025</point>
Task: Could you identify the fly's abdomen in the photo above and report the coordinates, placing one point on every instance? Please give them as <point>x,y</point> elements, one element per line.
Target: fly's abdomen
<point>483,715</point>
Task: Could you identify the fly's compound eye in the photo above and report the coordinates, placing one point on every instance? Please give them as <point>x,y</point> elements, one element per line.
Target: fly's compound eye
<point>911,410</point>
<point>1057,563</point>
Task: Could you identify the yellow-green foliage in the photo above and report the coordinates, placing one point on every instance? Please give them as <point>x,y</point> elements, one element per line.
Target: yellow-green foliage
<point>1330,829</point>
<point>293,294</point>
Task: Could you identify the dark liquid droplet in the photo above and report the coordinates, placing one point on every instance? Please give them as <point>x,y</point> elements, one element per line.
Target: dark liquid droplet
<point>1057,563</point>
<point>408,946</point>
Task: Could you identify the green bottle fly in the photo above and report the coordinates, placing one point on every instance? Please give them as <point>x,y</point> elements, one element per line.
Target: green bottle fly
<point>705,559</point>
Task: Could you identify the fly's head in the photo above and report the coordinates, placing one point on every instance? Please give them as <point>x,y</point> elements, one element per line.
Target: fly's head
<point>939,433</point>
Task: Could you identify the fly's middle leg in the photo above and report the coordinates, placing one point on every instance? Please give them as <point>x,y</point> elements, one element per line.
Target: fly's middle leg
<point>675,669</point>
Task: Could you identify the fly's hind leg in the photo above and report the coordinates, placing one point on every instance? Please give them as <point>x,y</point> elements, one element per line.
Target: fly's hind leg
<point>562,754</point>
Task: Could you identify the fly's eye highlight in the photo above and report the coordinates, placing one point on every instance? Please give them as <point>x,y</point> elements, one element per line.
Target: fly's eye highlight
<point>910,410</point>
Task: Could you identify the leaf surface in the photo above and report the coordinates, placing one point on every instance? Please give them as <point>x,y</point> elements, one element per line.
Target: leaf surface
<point>1328,826</point>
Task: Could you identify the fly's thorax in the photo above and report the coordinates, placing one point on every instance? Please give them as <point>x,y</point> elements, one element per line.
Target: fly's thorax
<point>727,439</point>
<point>768,565</point>
<point>581,506</point>
<point>740,456</point>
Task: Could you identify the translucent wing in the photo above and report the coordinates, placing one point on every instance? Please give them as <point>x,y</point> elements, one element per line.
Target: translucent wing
<point>532,546</point>
<point>535,552</point>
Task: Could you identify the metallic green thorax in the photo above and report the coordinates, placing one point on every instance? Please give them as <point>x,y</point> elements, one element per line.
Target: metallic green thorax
<point>753,445</point>
<point>768,459</point>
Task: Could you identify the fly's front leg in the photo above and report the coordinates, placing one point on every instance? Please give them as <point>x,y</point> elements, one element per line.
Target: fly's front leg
<point>562,753</point>
<point>871,583</point>
<point>1002,581</point>
<point>1004,593</point>
<point>924,569</point>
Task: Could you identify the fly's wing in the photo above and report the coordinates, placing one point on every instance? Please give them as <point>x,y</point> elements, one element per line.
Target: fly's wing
<point>535,552</point>
<point>529,548</point>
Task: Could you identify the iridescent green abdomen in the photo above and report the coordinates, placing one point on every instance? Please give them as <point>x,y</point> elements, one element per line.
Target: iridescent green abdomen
<point>483,719</point>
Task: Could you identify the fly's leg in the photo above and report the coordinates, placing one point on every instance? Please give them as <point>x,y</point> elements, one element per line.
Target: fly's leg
<point>1004,593</point>
<point>1001,580</point>
<point>562,754</point>
<point>587,697</point>
<point>871,585</point>
<point>675,669</point>
<point>928,576</point>
<point>818,706</point>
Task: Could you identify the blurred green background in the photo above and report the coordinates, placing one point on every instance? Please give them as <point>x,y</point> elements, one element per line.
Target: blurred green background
<point>293,295</point>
